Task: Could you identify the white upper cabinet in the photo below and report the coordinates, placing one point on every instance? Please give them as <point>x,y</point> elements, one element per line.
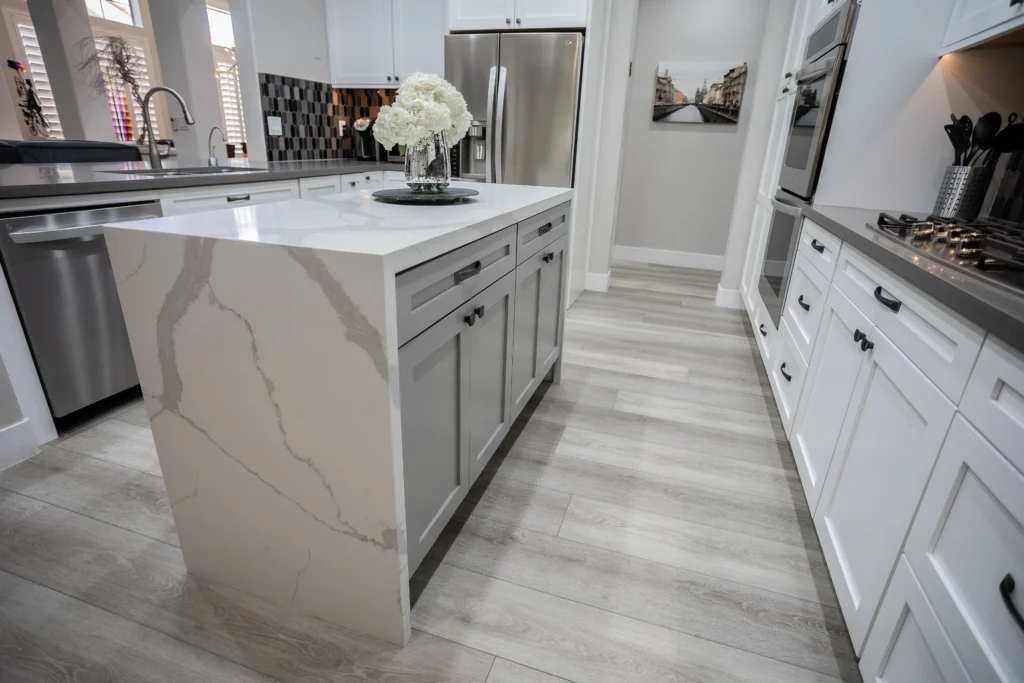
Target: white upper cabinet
<point>973,21</point>
<point>377,43</point>
<point>494,15</point>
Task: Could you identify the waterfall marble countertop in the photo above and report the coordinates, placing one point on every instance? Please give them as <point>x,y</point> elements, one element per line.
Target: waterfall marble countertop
<point>21,181</point>
<point>356,223</point>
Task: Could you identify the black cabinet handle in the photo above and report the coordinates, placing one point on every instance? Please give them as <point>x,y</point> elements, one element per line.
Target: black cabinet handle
<point>760,328</point>
<point>479,311</point>
<point>389,78</point>
<point>1006,587</point>
<point>789,74</point>
<point>545,229</point>
<point>866,344</point>
<point>352,183</point>
<point>803,305</point>
<point>467,272</point>
<point>859,336</point>
<point>786,89</point>
<point>782,369</point>
<point>1014,3</point>
<point>548,257</point>
<point>817,246</point>
<point>469,319</point>
<point>892,304</point>
<point>238,198</point>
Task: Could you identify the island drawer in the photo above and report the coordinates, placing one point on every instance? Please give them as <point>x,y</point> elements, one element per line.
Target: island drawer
<point>539,231</point>
<point>428,292</point>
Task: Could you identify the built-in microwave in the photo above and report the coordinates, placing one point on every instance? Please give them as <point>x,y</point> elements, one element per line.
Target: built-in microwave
<point>817,88</point>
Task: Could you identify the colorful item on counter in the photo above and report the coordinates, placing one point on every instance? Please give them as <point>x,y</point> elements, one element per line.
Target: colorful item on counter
<point>15,64</point>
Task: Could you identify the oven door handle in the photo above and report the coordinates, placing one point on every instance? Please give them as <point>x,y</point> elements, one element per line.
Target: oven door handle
<point>787,209</point>
<point>37,235</point>
<point>816,71</point>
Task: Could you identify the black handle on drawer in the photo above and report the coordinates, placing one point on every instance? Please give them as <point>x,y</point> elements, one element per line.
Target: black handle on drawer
<point>469,319</point>
<point>859,336</point>
<point>760,328</point>
<point>803,305</point>
<point>1006,587</point>
<point>1014,3</point>
<point>545,229</point>
<point>892,304</point>
<point>866,345</point>
<point>238,198</point>
<point>787,377</point>
<point>817,246</point>
<point>467,272</point>
<point>548,257</point>
<point>479,311</point>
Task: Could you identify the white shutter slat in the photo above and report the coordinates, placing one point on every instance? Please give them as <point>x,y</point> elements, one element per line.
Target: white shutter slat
<point>230,95</point>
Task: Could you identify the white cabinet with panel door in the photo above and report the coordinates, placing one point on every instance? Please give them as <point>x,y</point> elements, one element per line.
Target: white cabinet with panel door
<point>535,14</point>
<point>974,21</point>
<point>480,15</point>
<point>527,15</point>
<point>190,200</point>
<point>891,435</point>
<point>319,186</point>
<point>377,43</point>
<point>353,182</point>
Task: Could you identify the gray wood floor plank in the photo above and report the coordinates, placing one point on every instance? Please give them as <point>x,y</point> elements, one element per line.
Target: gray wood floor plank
<point>134,413</point>
<point>505,671</point>
<point>697,414</point>
<point>101,490</point>
<point>799,632</point>
<point>46,636</point>
<point>15,507</point>
<point>121,443</point>
<point>634,366</point>
<point>512,502</point>
<point>662,495</point>
<point>578,642</point>
<point>146,582</point>
<point>758,562</point>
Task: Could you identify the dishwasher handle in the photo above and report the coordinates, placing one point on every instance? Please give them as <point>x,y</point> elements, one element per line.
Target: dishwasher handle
<point>37,235</point>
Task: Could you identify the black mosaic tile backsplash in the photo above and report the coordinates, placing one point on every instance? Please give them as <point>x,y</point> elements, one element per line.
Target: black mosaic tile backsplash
<point>309,118</point>
<point>355,103</point>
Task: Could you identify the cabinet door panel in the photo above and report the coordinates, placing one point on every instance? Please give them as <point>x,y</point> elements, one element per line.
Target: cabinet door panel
<point>979,18</point>
<point>434,370</point>
<point>890,439</point>
<point>490,372</point>
<point>359,39</point>
<point>480,15</point>
<point>525,364</point>
<point>419,30</point>
<point>550,310</point>
<point>534,14</point>
<point>827,391</point>
<point>967,537</point>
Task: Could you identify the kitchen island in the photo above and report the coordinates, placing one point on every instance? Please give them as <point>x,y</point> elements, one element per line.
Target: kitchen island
<point>326,378</point>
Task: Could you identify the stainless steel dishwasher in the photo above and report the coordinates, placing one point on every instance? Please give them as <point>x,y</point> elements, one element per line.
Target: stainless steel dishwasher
<point>63,286</point>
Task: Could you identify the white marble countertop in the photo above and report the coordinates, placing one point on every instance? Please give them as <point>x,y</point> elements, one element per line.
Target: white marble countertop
<point>357,223</point>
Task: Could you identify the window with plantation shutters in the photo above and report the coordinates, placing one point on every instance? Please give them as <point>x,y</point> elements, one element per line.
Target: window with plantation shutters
<point>230,95</point>
<point>25,36</point>
<point>125,112</point>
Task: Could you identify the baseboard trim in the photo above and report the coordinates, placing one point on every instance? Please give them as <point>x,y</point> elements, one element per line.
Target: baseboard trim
<point>597,282</point>
<point>728,298</point>
<point>665,257</point>
<point>19,443</point>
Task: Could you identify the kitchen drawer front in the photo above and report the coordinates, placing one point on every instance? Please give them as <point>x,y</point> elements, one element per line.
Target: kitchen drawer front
<point>994,399</point>
<point>805,302</point>
<point>907,642</point>
<point>227,196</point>
<point>788,370</point>
<point>394,176</point>
<point>353,182</point>
<point>538,231</point>
<point>430,291</point>
<point>765,331</point>
<point>820,247</point>
<point>938,341</point>
<point>321,185</point>
<point>968,537</point>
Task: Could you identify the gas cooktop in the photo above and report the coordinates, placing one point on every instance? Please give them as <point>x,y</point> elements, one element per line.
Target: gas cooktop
<point>989,248</point>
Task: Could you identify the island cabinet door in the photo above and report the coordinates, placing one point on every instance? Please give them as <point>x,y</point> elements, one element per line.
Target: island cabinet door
<point>549,318</point>
<point>490,373</point>
<point>890,439</point>
<point>434,379</point>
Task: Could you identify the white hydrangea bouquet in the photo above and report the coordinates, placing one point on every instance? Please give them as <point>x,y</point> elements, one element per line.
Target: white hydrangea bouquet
<point>428,117</point>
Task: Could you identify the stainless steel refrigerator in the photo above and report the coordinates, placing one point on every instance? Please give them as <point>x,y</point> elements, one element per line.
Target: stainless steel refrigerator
<point>523,92</point>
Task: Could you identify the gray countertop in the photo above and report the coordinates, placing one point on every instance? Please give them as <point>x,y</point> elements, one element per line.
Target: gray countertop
<point>993,308</point>
<point>18,181</point>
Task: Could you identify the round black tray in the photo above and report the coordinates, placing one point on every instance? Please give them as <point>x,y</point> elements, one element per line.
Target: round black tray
<point>404,195</point>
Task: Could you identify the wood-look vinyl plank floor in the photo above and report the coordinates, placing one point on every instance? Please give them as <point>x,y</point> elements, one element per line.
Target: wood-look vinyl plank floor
<point>642,521</point>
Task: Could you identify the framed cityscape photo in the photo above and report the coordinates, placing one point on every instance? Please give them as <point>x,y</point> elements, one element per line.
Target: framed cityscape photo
<point>699,92</point>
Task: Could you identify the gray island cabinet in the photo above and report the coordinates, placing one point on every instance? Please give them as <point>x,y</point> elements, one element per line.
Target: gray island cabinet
<point>325,379</point>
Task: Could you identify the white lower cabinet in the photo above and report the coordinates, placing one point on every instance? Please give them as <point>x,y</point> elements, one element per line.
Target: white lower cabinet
<point>967,549</point>
<point>177,202</point>
<point>907,643</point>
<point>805,301</point>
<point>353,182</point>
<point>319,185</point>
<point>891,434</point>
<point>788,369</point>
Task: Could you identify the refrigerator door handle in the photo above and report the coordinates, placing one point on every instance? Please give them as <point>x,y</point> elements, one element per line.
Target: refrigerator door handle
<point>489,161</point>
<point>499,127</point>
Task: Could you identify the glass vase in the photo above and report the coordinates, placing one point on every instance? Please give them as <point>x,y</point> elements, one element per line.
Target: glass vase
<point>428,164</point>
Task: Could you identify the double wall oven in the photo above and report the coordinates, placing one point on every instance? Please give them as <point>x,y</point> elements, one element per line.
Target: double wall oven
<point>817,89</point>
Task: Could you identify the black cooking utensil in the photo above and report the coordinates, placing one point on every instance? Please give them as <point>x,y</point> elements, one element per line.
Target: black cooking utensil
<point>1008,141</point>
<point>968,125</point>
<point>985,131</point>
<point>955,134</point>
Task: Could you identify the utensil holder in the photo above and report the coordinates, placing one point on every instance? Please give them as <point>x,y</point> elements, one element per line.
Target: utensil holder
<point>962,192</point>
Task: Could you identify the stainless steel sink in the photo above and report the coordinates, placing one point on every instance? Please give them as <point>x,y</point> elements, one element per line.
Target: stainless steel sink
<point>194,170</point>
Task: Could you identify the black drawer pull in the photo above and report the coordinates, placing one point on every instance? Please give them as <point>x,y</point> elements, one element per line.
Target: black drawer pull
<point>479,311</point>
<point>548,257</point>
<point>786,89</point>
<point>892,304</point>
<point>238,198</point>
<point>1006,587</point>
<point>760,328</point>
<point>859,336</point>
<point>866,345</point>
<point>805,306</point>
<point>467,272</point>
<point>470,319</point>
<point>545,229</point>
<point>817,246</point>
<point>787,377</point>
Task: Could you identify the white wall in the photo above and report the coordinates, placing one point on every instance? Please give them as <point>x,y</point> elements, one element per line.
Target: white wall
<point>887,148</point>
<point>290,38</point>
<point>678,180</point>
